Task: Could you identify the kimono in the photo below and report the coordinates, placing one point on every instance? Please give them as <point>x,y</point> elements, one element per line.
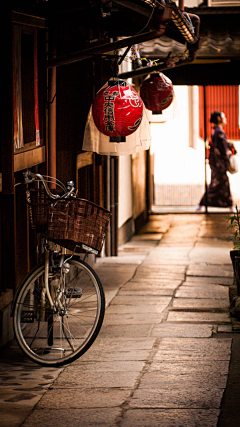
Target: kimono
<point>218,191</point>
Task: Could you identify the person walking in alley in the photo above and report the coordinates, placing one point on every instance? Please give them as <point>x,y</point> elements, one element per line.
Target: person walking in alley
<point>218,192</point>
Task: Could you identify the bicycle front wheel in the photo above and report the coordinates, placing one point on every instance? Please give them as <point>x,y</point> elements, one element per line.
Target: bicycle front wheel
<point>57,337</point>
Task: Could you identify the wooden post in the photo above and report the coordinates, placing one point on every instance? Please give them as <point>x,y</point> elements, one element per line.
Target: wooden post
<point>205,143</point>
<point>7,159</point>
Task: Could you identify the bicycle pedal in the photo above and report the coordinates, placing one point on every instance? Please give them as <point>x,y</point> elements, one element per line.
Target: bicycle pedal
<point>74,292</point>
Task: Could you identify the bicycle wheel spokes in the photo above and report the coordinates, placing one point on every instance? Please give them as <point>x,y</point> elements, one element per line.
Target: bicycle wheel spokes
<point>57,336</point>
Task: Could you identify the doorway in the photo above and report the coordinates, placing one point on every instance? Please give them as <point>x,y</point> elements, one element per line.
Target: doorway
<point>180,169</point>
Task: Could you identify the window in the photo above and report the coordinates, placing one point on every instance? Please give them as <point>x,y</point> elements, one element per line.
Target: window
<point>29,86</point>
<point>220,98</point>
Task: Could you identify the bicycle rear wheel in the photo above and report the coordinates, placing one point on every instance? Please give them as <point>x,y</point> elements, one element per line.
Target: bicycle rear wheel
<point>57,338</point>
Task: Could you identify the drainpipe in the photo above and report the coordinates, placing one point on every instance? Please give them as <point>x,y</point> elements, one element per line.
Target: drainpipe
<point>52,110</point>
<point>181,5</point>
<point>205,145</point>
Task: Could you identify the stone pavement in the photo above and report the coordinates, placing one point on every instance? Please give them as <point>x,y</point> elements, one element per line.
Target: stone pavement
<point>167,354</point>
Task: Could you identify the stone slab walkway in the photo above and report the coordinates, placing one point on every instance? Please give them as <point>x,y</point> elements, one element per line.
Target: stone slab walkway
<point>163,356</point>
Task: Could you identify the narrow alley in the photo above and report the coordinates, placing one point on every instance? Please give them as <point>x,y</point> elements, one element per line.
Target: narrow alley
<point>168,353</point>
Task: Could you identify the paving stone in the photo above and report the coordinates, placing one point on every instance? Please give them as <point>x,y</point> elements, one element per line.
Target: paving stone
<point>137,373</point>
<point>210,255</point>
<point>21,374</point>
<point>205,398</point>
<point>182,330</point>
<point>210,270</point>
<point>148,237</point>
<point>164,253</point>
<point>134,300</point>
<point>192,303</point>
<point>115,276</point>
<point>75,417</point>
<point>214,242</point>
<point>189,375</point>
<point>203,292</point>
<point>138,245</point>
<point>11,398</point>
<point>158,381</point>
<point>109,297</point>
<point>122,349</point>
<point>147,283</point>
<point>148,292</point>
<point>167,274</point>
<point>159,261</point>
<point>108,366</point>
<point>107,355</point>
<point>132,318</point>
<point>13,417</point>
<point>193,281</point>
<point>24,385</point>
<point>170,418</point>
<point>127,331</point>
<point>214,368</point>
<point>177,316</point>
<point>160,225</point>
<point>224,328</point>
<point>154,269</point>
<point>194,349</point>
<point>122,344</point>
<point>135,308</point>
<point>74,377</point>
<point>128,259</point>
<point>76,398</point>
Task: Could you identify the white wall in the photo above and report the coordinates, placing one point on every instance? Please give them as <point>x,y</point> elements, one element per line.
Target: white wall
<point>175,160</point>
<point>125,209</point>
<point>191,3</point>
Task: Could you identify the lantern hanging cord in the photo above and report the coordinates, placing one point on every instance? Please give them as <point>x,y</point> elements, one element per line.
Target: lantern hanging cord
<point>114,66</point>
<point>139,32</point>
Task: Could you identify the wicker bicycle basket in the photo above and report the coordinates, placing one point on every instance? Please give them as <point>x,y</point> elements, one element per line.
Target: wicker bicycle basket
<point>38,202</point>
<point>76,224</point>
<point>72,222</point>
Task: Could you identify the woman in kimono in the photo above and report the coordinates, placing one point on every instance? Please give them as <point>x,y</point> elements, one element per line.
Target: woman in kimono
<point>218,191</point>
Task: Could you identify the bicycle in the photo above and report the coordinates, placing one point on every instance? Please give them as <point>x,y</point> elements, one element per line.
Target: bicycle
<point>59,306</point>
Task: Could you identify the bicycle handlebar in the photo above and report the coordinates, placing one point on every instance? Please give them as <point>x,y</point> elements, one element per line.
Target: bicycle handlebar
<point>29,177</point>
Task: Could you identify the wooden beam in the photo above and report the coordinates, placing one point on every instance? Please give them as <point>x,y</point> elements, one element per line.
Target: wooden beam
<point>6,298</point>
<point>84,159</point>
<point>27,159</point>
<point>24,19</point>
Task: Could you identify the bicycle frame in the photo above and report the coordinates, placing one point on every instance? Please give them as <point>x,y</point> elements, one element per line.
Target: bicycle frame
<point>59,306</point>
<point>46,282</point>
<point>46,293</point>
<point>46,290</point>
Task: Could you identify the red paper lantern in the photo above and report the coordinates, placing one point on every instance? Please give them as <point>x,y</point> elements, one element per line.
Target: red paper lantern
<point>117,109</point>
<point>157,92</point>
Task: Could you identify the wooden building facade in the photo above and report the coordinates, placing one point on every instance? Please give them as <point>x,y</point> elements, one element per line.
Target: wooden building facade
<point>56,57</point>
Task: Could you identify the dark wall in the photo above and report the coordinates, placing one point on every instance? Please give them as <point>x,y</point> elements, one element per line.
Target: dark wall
<point>223,73</point>
<point>77,85</point>
<point>74,97</point>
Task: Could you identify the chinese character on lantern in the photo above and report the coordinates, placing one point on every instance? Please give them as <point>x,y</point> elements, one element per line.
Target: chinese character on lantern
<point>117,109</point>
